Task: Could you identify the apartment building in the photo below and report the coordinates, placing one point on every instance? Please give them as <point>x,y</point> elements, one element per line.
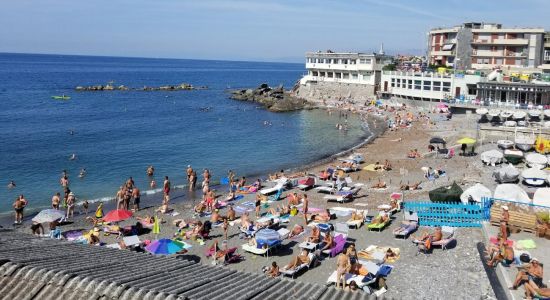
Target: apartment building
<point>545,66</point>
<point>485,46</point>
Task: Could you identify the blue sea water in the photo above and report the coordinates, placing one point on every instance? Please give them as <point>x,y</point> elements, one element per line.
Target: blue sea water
<point>117,134</point>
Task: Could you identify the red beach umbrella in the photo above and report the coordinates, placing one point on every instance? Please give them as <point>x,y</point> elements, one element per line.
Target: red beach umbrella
<point>117,215</point>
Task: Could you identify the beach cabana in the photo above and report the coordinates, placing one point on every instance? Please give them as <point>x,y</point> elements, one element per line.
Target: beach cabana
<point>511,192</point>
<point>449,193</point>
<point>475,192</point>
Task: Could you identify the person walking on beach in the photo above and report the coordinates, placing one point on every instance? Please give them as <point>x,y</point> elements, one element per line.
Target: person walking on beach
<point>166,187</point>
<point>305,201</point>
<point>137,197</point>
<point>19,205</point>
<point>55,201</point>
<point>70,206</point>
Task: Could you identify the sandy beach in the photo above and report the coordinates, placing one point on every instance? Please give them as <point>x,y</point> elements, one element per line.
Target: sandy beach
<point>456,273</point>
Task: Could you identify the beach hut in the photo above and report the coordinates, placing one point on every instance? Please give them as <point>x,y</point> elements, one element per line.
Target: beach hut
<point>542,197</point>
<point>450,193</point>
<point>511,192</point>
<point>475,192</point>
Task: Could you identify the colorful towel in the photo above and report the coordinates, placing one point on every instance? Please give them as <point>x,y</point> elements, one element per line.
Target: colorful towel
<point>248,203</point>
<point>526,244</point>
<point>311,209</point>
<point>241,209</point>
<point>494,241</point>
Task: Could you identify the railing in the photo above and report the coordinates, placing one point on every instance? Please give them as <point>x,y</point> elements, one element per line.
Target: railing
<point>447,214</point>
<point>514,205</point>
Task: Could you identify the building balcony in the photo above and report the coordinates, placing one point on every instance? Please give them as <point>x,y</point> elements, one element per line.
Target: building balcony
<point>501,42</point>
<point>486,53</point>
<point>341,67</point>
<point>442,53</point>
<point>309,78</point>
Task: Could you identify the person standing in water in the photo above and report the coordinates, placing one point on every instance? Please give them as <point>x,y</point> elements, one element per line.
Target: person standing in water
<point>19,205</point>
<point>71,201</point>
<point>55,200</point>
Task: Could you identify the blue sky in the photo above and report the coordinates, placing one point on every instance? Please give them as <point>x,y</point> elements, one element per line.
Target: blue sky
<point>269,30</point>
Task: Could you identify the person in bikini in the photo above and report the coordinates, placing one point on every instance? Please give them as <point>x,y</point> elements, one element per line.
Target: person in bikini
<point>343,265</point>
<point>55,200</point>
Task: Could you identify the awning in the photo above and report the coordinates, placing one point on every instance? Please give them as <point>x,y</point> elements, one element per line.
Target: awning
<point>448,47</point>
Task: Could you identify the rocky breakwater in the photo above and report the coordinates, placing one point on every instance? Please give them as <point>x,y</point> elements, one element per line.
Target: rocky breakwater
<point>273,99</point>
<point>110,87</point>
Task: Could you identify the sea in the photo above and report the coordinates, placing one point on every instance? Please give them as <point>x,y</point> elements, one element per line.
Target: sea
<point>115,135</point>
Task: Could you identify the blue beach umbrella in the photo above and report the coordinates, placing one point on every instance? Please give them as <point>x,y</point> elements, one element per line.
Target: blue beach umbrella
<point>164,247</point>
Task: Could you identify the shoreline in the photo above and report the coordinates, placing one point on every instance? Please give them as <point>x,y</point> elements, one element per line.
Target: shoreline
<point>148,197</point>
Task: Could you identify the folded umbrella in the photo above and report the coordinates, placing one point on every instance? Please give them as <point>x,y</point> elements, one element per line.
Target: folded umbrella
<point>117,215</point>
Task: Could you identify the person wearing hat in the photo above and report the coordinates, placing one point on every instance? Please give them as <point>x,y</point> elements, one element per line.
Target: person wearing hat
<point>532,273</point>
<point>70,205</point>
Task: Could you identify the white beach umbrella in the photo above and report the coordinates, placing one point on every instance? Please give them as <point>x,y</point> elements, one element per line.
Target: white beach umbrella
<point>511,192</point>
<point>477,192</point>
<point>492,157</point>
<point>542,197</point>
<point>536,160</point>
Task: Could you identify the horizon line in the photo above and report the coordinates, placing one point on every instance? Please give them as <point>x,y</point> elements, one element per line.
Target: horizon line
<point>144,57</point>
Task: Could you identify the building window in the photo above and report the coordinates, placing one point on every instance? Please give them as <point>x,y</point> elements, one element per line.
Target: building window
<point>427,86</point>
<point>446,86</point>
<point>393,82</point>
<point>410,84</point>
<point>314,73</point>
<point>437,86</point>
<point>519,62</point>
<point>365,60</point>
<point>322,74</point>
<point>354,76</point>
<point>329,74</point>
<point>499,61</point>
<point>345,75</point>
<point>417,84</point>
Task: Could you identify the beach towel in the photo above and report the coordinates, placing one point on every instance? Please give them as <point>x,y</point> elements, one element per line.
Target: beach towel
<point>238,197</point>
<point>526,244</point>
<point>311,209</point>
<point>494,241</point>
<point>241,209</point>
<point>374,252</point>
<point>248,203</point>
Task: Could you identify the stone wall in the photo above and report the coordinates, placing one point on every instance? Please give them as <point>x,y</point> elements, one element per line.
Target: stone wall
<point>333,91</point>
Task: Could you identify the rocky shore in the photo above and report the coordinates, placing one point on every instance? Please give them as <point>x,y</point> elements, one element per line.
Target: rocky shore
<point>273,99</point>
<point>110,87</point>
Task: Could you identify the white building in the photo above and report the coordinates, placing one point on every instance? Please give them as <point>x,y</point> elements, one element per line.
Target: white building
<point>429,86</point>
<point>356,68</point>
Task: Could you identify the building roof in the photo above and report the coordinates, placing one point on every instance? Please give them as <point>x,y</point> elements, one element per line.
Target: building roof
<point>41,268</point>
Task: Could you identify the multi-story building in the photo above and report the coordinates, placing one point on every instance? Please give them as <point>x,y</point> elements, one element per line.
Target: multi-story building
<point>429,86</point>
<point>545,66</point>
<point>331,75</point>
<point>486,46</point>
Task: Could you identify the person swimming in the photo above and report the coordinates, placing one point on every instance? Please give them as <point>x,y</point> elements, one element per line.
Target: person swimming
<point>72,157</point>
<point>11,185</point>
<point>82,173</point>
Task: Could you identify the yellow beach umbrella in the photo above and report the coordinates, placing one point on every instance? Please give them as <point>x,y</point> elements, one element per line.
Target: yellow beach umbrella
<point>156,226</point>
<point>99,211</point>
<point>466,140</point>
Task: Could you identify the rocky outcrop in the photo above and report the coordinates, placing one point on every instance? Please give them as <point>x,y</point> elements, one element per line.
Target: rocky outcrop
<point>273,99</point>
<point>109,87</point>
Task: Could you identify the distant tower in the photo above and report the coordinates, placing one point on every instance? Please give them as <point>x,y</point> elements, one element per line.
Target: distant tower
<point>381,52</point>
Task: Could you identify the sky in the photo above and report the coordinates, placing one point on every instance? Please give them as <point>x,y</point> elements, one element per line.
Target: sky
<point>262,30</point>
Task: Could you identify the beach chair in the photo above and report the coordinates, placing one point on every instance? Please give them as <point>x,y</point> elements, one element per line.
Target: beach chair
<point>379,226</point>
<point>261,249</point>
<point>408,226</point>
<point>292,273</point>
<point>283,232</point>
<point>249,232</point>
<point>448,239</point>
<point>306,183</point>
<point>340,242</point>
<point>281,183</point>
<point>357,223</point>
<point>330,171</point>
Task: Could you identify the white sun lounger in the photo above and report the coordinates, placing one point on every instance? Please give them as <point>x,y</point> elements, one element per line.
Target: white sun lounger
<point>295,271</point>
<point>281,183</point>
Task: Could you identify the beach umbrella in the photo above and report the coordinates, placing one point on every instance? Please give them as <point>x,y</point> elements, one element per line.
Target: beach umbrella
<point>466,140</point>
<point>48,215</point>
<point>164,247</point>
<point>437,140</point>
<point>477,192</point>
<point>99,211</point>
<point>117,215</point>
<point>156,226</point>
<point>267,236</point>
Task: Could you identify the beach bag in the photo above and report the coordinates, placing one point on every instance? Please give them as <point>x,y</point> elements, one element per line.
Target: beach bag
<point>524,258</point>
<point>293,211</point>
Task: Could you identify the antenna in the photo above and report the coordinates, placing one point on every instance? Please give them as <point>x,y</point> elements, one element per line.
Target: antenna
<point>381,52</point>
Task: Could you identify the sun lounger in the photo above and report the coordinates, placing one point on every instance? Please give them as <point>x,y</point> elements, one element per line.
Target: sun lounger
<point>281,183</point>
<point>379,226</point>
<point>260,251</point>
<point>283,232</point>
<point>132,240</point>
<point>358,223</point>
<point>408,226</point>
<point>340,242</point>
<point>292,273</point>
<point>306,183</point>
<point>250,232</point>
<point>444,243</point>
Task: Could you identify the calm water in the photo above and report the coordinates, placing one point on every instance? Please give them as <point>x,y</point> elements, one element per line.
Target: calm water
<point>118,134</point>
